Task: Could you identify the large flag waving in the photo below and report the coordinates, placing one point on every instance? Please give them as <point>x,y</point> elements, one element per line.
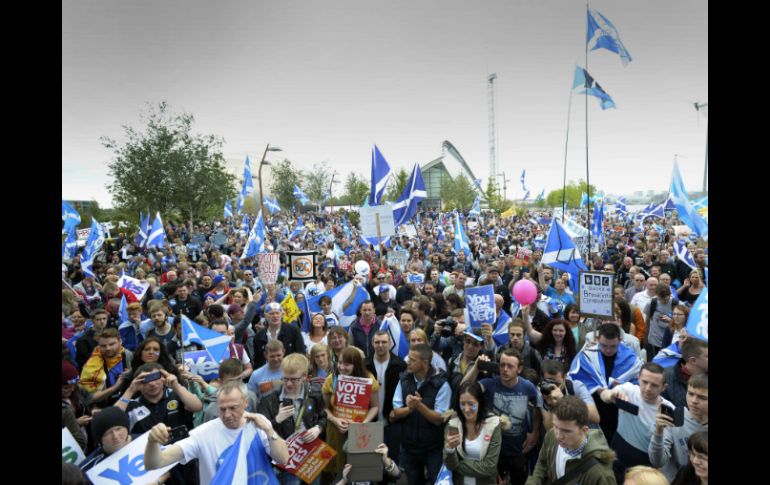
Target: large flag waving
<point>601,34</point>
<point>461,239</point>
<point>144,229</point>
<point>256,242</point>
<point>523,187</point>
<point>380,174</point>
<point>588,368</point>
<point>70,247</point>
<point>684,207</point>
<point>271,204</point>
<point>300,195</point>
<point>248,182</point>
<point>683,254</point>
<point>698,321</point>
<point>590,86</point>
<point>246,461</point>
<point>399,341</point>
<point>239,204</point>
<point>561,253</point>
<point>339,296</point>
<point>597,227</point>
<point>406,206</point>
<point>69,215</point>
<point>228,209</point>
<point>215,343</point>
<point>93,246</point>
<point>476,209</point>
<point>157,237</point>
<point>540,196</point>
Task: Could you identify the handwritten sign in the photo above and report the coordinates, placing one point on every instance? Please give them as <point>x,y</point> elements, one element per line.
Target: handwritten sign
<point>351,398</point>
<point>480,303</point>
<point>307,460</point>
<point>524,254</point>
<point>398,258</point>
<point>369,221</point>
<point>595,294</point>
<point>268,265</point>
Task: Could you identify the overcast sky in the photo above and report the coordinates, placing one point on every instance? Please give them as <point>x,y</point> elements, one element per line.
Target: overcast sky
<point>326,80</point>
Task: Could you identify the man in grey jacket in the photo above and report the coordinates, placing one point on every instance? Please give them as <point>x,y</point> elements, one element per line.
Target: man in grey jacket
<point>668,446</point>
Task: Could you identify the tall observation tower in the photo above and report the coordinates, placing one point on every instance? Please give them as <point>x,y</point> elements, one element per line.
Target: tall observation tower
<point>491,102</point>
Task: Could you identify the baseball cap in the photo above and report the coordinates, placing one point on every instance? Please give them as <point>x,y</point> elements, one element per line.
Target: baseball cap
<point>476,337</point>
<point>218,279</point>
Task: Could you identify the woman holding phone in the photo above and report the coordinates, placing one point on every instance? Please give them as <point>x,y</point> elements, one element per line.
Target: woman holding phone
<point>473,438</point>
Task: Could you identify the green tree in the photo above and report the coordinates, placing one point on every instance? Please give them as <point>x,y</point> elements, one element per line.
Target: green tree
<point>285,177</point>
<point>494,197</point>
<point>574,193</point>
<point>169,169</point>
<point>317,182</point>
<point>457,193</point>
<point>356,188</point>
<point>397,185</point>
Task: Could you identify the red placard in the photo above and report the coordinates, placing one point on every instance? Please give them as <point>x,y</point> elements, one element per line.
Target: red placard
<point>351,398</point>
<point>307,460</point>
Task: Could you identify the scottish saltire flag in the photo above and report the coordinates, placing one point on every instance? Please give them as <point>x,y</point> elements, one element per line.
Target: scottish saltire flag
<point>654,211</point>
<point>346,227</point>
<point>540,196</point>
<point>123,309</point>
<point>92,247</point>
<point>373,241</point>
<point>669,356</point>
<point>501,234</point>
<point>684,207</point>
<point>480,302</point>
<point>228,209</point>
<point>702,203</point>
<point>380,174</point>
<point>461,239</point>
<point>399,341</point>
<point>597,227</point>
<point>441,233</point>
<point>246,461</point>
<point>523,187</point>
<point>588,367</point>
<point>698,321</point>
<point>215,343</point>
<point>69,215</point>
<point>620,205</point>
<point>272,205</point>
<point>583,199</point>
<point>239,204</point>
<point>683,254</point>
<point>406,206</point>
<point>476,209</point>
<point>601,34</point>
<point>144,228</point>
<point>300,195</point>
<point>248,182</point>
<point>669,204</point>
<point>245,223</point>
<point>70,247</point>
<point>500,334</point>
<point>339,296</point>
<point>590,86</point>
<point>337,252</point>
<point>444,476</point>
<point>526,196</point>
<point>157,237</point>
<point>297,230</point>
<point>255,244</point>
<point>561,253</point>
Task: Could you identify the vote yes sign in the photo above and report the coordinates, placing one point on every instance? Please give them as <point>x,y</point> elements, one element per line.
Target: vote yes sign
<point>201,363</point>
<point>134,286</point>
<point>307,460</point>
<point>351,398</point>
<point>126,466</point>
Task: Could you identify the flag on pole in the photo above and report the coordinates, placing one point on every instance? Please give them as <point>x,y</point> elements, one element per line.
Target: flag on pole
<point>69,215</point>
<point>215,343</point>
<point>345,227</point>
<point>698,321</point>
<point>92,247</point>
<point>399,341</point>
<point>601,34</point>
<point>476,209</point>
<point>461,239</point>
<point>245,223</point>
<point>228,209</point>
<point>272,205</point>
<point>590,86</point>
<point>500,334</point>
<point>406,206</point>
<point>560,252</point>
<point>597,227</point>
<point>144,227</point>
<point>239,204</point>
<point>523,187</point>
<point>300,195</point>
<point>441,233</point>
<point>683,254</point>
<point>526,196</point>
<point>157,237</point>
<point>248,182</point>
<point>684,207</point>
<point>380,174</point>
<point>297,230</point>
<point>620,205</point>
<point>246,461</point>
<point>70,247</point>
<point>540,196</point>
<point>654,211</point>
<point>255,244</point>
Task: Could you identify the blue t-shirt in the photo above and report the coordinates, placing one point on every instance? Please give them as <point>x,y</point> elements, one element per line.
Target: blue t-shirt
<point>566,298</point>
<point>514,403</point>
<point>263,381</point>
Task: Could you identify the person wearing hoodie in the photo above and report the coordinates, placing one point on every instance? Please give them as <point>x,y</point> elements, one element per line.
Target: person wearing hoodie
<point>571,448</point>
<point>473,437</point>
<point>668,446</point>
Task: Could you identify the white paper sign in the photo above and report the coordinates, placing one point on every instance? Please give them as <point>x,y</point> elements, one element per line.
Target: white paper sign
<point>269,264</point>
<point>595,294</point>
<point>70,449</point>
<point>134,286</point>
<point>126,466</point>
<point>369,221</point>
<point>398,258</point>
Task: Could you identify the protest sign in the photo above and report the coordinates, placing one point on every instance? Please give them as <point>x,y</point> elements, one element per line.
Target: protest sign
<point>201,364</point>
<point>595,294</point>
<point>415,278</point>
<point>351,398</point>
<point>126,466</point>
<point>70,449</point>
<point>133,285</point>
<point>302,266</point>
<point>524,254</point>
<point>480,302</point>
<point>398,258</point>
<point>307,460</point>
<point>268,266</point>
<point>369,221</point>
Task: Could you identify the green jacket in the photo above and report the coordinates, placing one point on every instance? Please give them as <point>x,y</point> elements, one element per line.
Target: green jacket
<point>600,474</point>
<point>485,469</point>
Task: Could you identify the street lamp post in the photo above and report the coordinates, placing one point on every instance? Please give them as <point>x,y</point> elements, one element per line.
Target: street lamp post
<point>268,148</point>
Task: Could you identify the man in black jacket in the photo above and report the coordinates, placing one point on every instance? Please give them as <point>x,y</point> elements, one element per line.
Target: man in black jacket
<point>286,333</point>
<point>386,366</point>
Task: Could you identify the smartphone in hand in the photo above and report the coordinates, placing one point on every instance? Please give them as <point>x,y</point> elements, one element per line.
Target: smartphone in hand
<point>627,406</point>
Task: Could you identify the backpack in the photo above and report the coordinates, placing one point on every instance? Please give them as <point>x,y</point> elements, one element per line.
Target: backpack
<point>654,305</point>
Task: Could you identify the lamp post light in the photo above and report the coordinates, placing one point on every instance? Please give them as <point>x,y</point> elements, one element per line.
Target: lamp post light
<point>268,148</point>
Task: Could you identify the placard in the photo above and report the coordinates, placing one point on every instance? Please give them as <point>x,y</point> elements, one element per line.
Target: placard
<point>307,460</point>
<point>398,258</point>
<point>134,286</point>
<point>126,466</point>
<point>201,364</point>
<point>595,294</point>
<point>415,278</point>
<point>480,302</point>
<point>70,449</point>
<point>302,266</point>
<point>268,265</point>
<point>369,221</point>
<point>524,254</point>
<point>351,398</point>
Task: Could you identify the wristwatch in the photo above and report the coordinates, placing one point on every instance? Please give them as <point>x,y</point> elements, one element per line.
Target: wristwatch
<point>273,436</point>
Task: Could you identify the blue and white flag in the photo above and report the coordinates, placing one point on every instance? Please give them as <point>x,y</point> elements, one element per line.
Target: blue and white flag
<point>683,254</point>
<point>702,203</point>
<point>601,34</point>
<point>373,241</point>
<point>157,237</point>
<point>480,302</point>
<point>588,367</point>
<point>669,356</point>
<point>345,227</point>
<point>441,233</point>
<point>228,209</point>
<point>406,206</point>
<point>590,86</point>
<point>245,223</point>
<point>92,247</point>
<point>698,321</point>
<point>654,211</point>
<point>669,204</point>
<point>380,174</point>
<point>476,209</point>
<point>561,253</point>
<point>144,229</point>
<point>215,343</point>
<point>500,334</point>
<point>246,461</point>
<point>620,205</point>
<point>300,195</point>
<point>399,341</point>
<point>684,207</point>
<point>501,234</point>
<point>339,296</point>
<point>272,205</point>
<point>523,187</point>
<point>444,476</point>
<point>526,196</point>
<point>123,309</point>
<point>69,215</point>
<point>299,229</point>
<point>461,239</point>
<point>540,196</point>
<point>70,247</point>
<point>239,204</point>
<point>255,244</point>
<point>597,227</point>
<point>248,182</point>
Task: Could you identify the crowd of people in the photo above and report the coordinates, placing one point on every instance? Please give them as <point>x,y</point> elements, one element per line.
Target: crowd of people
<point>564,399</point>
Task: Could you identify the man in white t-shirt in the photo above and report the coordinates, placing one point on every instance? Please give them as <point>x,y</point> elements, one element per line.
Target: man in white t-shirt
<point>632,439</point>
<point>211,440</point>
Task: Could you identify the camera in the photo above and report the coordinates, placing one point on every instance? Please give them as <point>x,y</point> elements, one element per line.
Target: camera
<point>490,367</point>
<point>178,433</point>
<point>547,386</point>
<point>448,326</point>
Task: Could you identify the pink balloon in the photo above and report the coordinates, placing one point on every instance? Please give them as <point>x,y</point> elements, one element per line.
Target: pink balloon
<point>525,292</point>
